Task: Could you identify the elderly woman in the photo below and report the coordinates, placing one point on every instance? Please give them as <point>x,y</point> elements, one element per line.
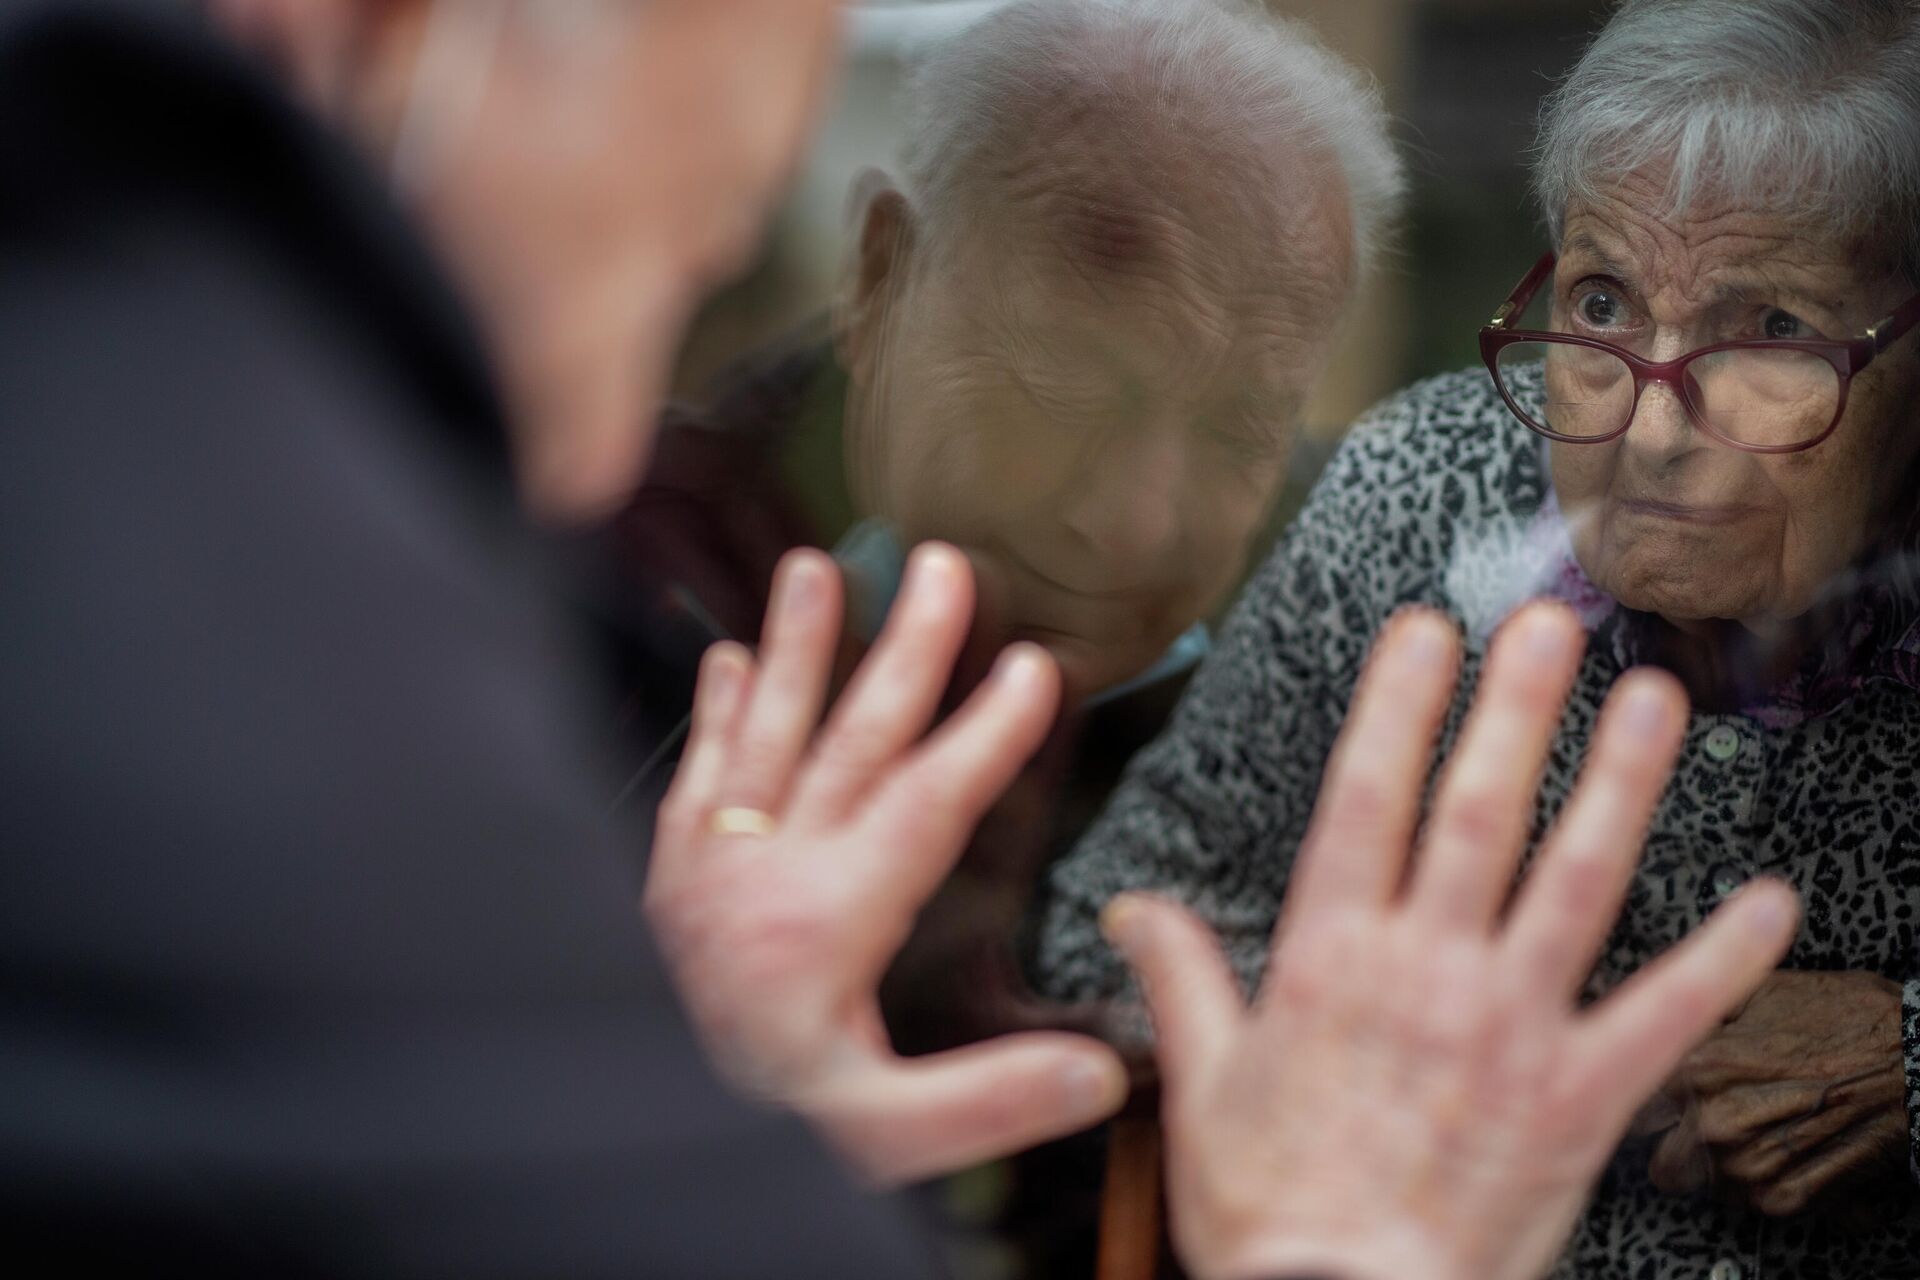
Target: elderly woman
<point>1699,426</point>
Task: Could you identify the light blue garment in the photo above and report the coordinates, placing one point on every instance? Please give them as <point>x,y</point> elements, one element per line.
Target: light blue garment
<point>874,562</point>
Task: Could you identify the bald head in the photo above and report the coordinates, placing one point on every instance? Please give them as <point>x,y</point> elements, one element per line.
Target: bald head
<point>1080,333</point>
<point>1134,195</point>
<point>1124,120</point>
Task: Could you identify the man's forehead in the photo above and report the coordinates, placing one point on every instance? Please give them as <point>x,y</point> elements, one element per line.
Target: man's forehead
<point>1107,231</point>
<point>1111,233</point>
<point>1050,325</point>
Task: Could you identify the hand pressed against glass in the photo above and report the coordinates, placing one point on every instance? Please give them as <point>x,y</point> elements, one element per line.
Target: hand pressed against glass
<point>787,871</point>
<point>1414,1091</point>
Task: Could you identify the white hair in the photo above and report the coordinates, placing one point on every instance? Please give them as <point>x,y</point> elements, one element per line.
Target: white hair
<point>978,92</point>
<point>1805,108</point>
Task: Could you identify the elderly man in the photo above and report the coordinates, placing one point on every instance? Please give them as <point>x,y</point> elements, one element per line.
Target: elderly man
<point>1075,336</point>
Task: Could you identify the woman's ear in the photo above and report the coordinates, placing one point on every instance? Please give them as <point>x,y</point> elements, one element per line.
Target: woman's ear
<point>884,238</point>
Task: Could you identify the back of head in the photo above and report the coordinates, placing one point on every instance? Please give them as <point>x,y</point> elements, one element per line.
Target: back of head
<point>1804,108</point>
<point>1139,82</point>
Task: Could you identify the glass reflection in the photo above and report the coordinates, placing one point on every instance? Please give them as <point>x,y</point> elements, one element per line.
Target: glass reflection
<point>1075,334</point>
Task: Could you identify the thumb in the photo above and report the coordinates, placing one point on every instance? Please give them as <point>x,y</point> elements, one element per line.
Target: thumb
<point>1189,988</point>
<point>1681,1164</point>
<point>917,1118</point>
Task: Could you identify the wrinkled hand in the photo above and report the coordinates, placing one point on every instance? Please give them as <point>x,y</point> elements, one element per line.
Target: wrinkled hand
<point>778,941</point>
<point>1414,1091</point>
<point>1800,1096</point>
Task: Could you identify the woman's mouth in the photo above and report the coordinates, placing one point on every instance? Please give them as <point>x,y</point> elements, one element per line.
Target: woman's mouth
<point>1685,513</point>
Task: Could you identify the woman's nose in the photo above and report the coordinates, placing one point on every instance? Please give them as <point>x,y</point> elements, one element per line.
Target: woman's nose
<point>1662,427</point>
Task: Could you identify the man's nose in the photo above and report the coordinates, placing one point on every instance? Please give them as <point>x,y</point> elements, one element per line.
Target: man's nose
<point>1125,501</point>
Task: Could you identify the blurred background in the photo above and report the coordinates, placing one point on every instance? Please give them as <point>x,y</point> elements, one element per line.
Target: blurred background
<point>1463,78</point>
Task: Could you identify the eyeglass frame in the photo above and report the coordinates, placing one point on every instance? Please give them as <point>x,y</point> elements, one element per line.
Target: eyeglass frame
<point>1847,357</point>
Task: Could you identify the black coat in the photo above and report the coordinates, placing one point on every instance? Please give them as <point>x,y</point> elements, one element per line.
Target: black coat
<point>318,953</point>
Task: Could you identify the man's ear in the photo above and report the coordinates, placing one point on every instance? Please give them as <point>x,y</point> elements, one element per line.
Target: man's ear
<point>885,233</point>
<point>331,51</point>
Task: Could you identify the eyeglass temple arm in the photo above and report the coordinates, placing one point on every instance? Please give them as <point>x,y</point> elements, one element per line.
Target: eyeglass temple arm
<point>1889,330</point>
<point>1517,301</point>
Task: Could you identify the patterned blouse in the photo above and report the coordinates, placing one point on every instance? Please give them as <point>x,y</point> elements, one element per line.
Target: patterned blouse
<point>1441,498</point>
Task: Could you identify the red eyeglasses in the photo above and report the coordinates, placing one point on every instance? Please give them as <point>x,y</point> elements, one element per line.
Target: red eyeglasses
<point>1764,395</point>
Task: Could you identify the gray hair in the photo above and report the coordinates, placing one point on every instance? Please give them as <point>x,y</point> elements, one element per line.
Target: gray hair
<point>981,89</point>
<point>1805,108</point>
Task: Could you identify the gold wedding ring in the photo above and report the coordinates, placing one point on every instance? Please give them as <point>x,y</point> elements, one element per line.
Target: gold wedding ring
<point>739,820</point>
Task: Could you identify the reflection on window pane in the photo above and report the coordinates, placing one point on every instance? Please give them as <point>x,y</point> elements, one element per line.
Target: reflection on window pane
<point>1095,293</point>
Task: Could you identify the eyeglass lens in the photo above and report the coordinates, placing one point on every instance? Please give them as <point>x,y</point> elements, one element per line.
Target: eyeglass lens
<point>1758,396</point>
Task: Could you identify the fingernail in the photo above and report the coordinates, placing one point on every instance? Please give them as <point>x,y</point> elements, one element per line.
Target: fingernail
<point>932,560</point>
<point>1095,1085</point>
<point>1427,640</point>
<point>1119,919</point>
<point>721,675</point>
<point>1544,634</point>
<point>1646,709</point>
<point>1020,664</point>
<point>802,585</point>
<point>1775,912</point>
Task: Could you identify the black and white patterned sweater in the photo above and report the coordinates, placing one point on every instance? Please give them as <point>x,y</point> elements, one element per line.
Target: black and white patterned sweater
<point>1440,497</point>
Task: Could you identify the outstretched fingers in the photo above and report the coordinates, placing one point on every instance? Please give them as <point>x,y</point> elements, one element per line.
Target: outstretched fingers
<point>1575,888</point>
<point>795,664</point>
<point>1634,1038</point>
<point>1356,847</point>
<point>725,684</point>
<point>1189,988</point>
<point>1485,800</point>
<point>912,1118</point>
<point>896,691</point>
<point>927,807</point>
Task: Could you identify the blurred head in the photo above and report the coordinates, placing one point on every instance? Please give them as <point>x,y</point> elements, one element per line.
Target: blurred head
<point>1725,169</point>
<point>1082,328</point>
<point>588,168</point>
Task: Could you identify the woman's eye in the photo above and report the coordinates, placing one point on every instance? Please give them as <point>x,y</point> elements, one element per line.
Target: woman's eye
<point>1782,324</point>
<point>1599,309</point>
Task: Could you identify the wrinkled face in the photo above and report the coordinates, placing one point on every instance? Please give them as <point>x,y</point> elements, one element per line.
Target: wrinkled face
<point>1667,519</point>
<point>1099,409</point>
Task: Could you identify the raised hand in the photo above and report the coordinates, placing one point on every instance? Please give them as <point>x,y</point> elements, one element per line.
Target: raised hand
<point>1413,1091</point>
<point>788,867</point>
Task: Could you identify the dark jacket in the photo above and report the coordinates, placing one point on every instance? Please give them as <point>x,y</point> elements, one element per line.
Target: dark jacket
<point>318,952</point>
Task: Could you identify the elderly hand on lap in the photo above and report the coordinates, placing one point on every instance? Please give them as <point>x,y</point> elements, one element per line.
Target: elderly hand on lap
<point>1798,1102</point>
